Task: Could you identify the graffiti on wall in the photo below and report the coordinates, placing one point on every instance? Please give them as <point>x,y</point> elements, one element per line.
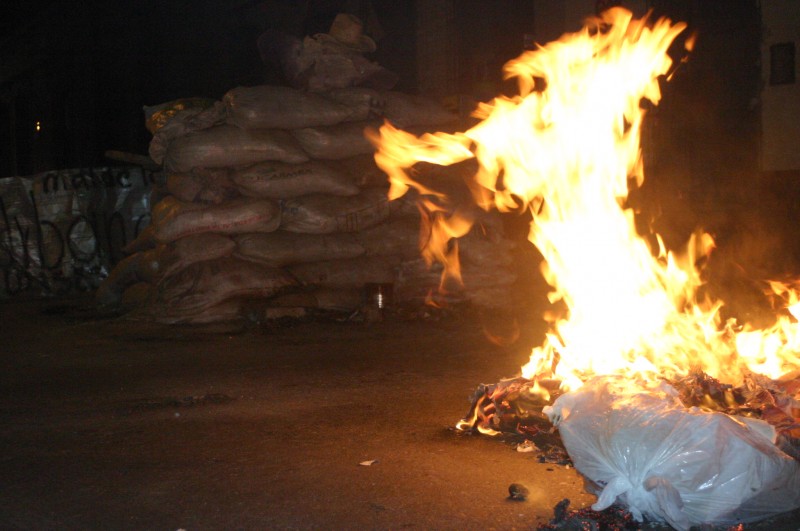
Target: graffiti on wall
<point>62,231</point>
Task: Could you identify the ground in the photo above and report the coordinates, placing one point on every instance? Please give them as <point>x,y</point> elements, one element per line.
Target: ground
<point>119,424</point>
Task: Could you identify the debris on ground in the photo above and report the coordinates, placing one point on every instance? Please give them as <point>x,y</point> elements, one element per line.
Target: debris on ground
<point>615,518</point>
<point>512,408</point>
<point>518,492</point>
<point>527,446</point>
<point>758,421</point>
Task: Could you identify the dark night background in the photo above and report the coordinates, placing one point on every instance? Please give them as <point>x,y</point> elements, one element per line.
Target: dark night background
<point>84,70</point>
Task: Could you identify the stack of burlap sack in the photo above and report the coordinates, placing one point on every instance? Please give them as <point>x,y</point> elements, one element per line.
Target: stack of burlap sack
<point>272,196</point>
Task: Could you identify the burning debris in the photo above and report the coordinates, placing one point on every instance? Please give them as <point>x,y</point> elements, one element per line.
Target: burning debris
<point>699,439</point>
<point>515,406</point>
<point>664,407</point>
<point>615,518</point>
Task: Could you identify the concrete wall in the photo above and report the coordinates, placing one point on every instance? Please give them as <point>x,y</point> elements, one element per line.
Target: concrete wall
<point>780,104</point>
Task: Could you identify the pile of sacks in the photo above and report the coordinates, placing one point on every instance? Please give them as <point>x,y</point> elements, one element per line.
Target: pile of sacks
<point>272,199</point>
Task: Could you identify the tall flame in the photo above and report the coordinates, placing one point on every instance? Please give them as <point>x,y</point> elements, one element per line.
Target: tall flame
<point>567,153</point>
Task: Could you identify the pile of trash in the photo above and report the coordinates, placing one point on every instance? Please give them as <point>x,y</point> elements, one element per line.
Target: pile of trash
<point>686,452</point>
<point>614,518</point>
<point>271,195</point>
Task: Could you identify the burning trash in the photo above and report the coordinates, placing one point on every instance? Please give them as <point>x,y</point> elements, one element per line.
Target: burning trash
<point>664,407</point>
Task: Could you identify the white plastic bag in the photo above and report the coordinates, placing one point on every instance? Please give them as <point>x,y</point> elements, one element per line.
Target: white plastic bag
<point>642,448</point>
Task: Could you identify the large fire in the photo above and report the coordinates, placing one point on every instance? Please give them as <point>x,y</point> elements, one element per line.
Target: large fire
<point>568,148</point>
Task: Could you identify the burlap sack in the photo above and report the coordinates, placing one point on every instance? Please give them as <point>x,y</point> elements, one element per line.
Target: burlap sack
<point>225,146</point>
<point>175,219</point>
<point>398,236</point>
<point>152,265</point>
<point>207,283</point>
<point>276,107</point>
<point>279,180</point>
<point>347,273</point>
<point>281,248</point>
<point>201,185</point>
<point>335,141</point>
<point>405,110</point>
<point>324,214</point>
<point>179,118</point>
<point>145,240</point>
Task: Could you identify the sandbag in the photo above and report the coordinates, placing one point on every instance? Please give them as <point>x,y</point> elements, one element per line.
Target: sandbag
<point>335,299</point>
<point>179,123</point>
<point>281,248</point>
<point>200,185</point>
<point>151,265</point>
<point>136,296</point>
<point>335,141</point>
<point>348,273</point>
<point>225,145</point>
<point>487,286</point>
<point>175,219</point>
<point>279,180</point>
<point>320,64</point>
<point>276,107</point>
<point>324,214</point>
<point>159,189</point>
<point>140,267</point>
<point>417,281</point>
<point>639,446</point>
<point>124,274</point>
<point>180,254</point>
<point>405,110</point>
<point>225,311</point>
<point>365,103</point>
<point>207,283</point>
<point>363,170</point>
<point>157,116</point>
<point>146,239</point>
<point>397,236</point>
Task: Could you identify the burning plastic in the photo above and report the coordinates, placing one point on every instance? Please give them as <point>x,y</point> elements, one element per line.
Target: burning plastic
<point>639,445</point>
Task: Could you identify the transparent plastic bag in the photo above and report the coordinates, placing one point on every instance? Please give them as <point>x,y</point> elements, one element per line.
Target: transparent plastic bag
<point>639,446</point>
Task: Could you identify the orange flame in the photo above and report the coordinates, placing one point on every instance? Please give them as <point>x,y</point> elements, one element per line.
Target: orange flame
<point>568,153</point>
